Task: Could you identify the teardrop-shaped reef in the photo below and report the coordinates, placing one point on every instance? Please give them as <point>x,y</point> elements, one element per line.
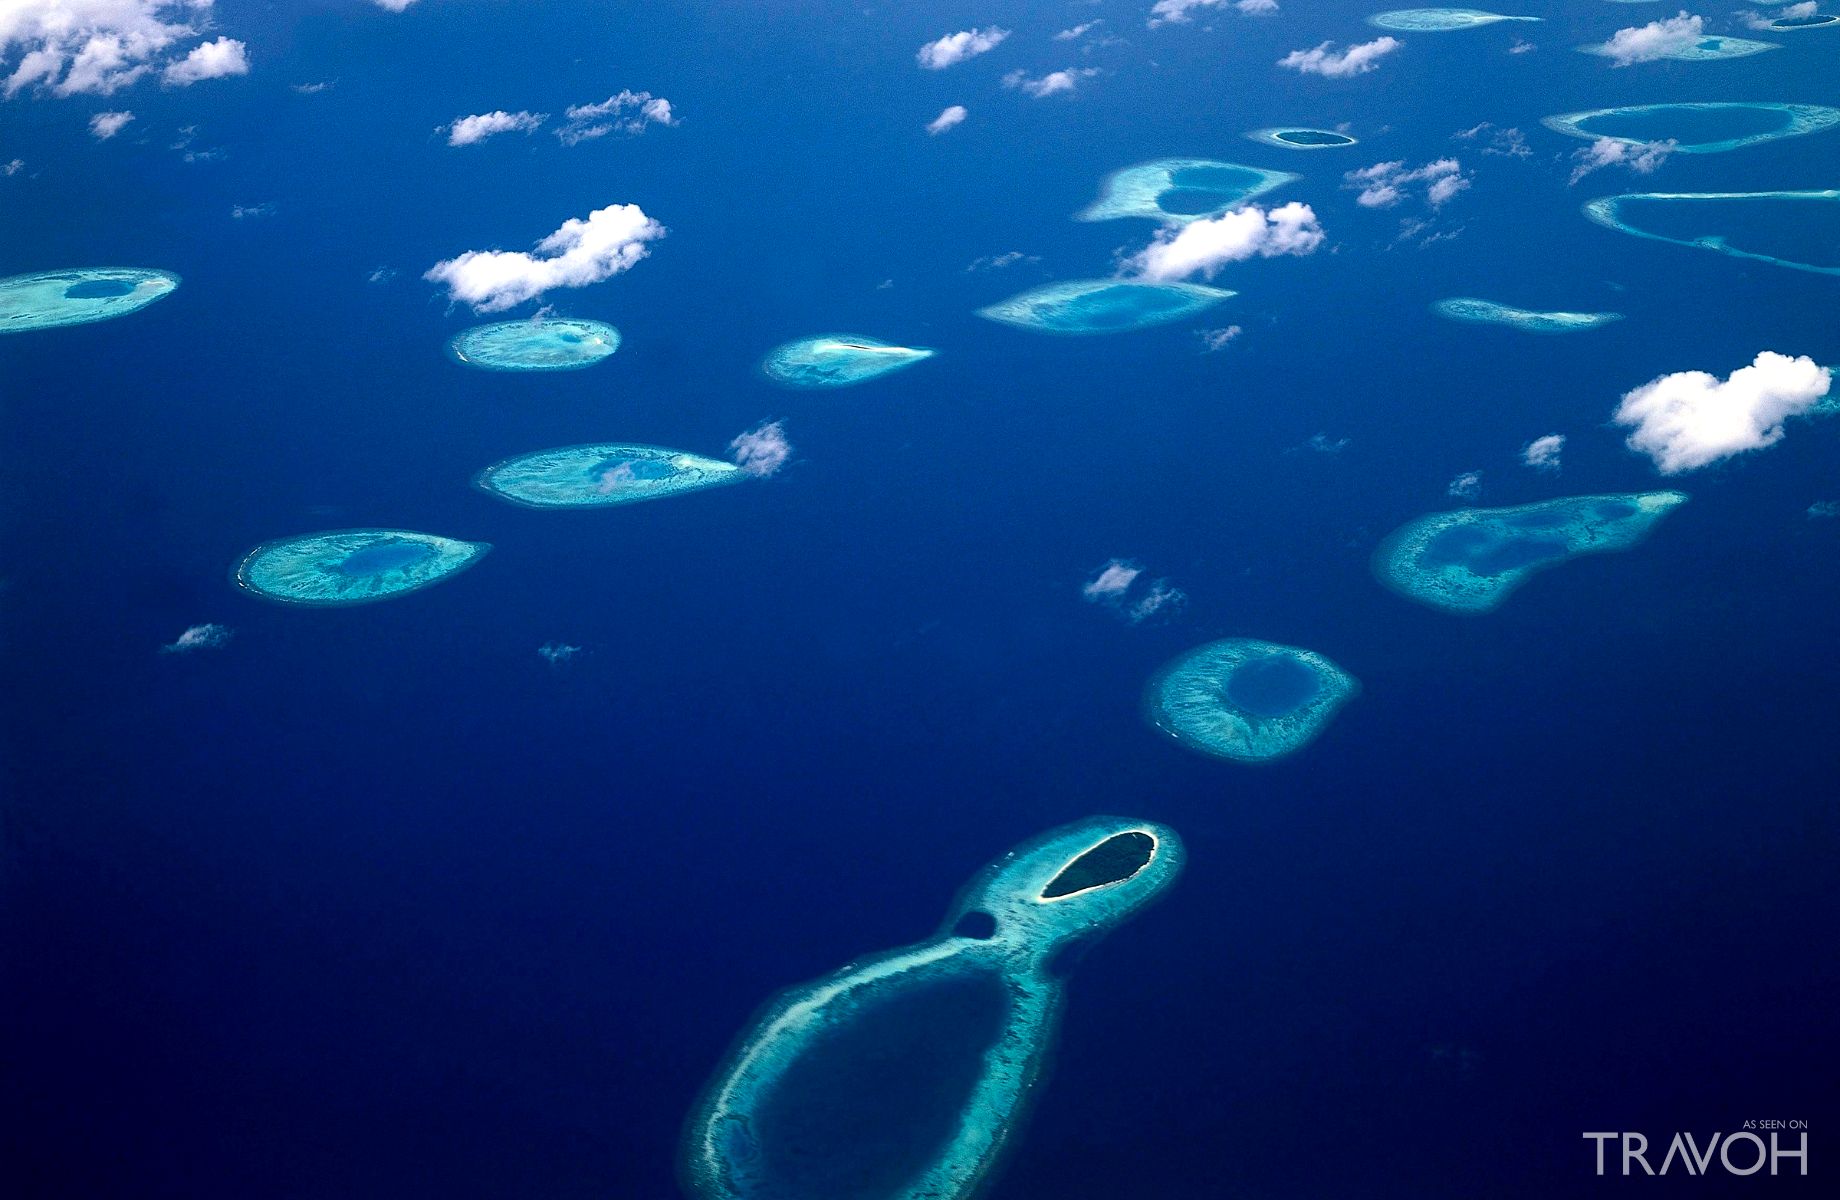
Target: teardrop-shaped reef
<point>837,360</point>
<point>1089,306</point>
<point>352,566</point>
<point>50,299</point>
<point>599,474</point>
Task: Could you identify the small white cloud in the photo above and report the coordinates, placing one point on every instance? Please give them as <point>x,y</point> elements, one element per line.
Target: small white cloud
<point>209,60</point>
<point>1116,587</point>
<point>1176,12</point>
<point>1643,158</point>
<point>105,125</point>
<point>1466,486</point>
<point>1077,32</point>
<point>1793,12</point>
<point>1542,453</point>
<point>762,451</point>
<point>311,89</point>
<point>1690,419</point>
<point>1161,596</point>
<point>469,131</point>
<point>581,252</point>
<point>629,112</point>
<point>557,653</point>
<point>243,212</point>
<point>381,275</point>
<point>1507,142</point>
<point>1522,47</point>
<point>996,262</point>
<point>1113,581</point>
<point>1824,510</point>
<point>1356,60</point>
<point>1203,247</point>
<point>1214,340</point>
<point>13,167</point>
<point>1322,443</point>
<point>1256,8</point>
<point>949,118</point>
<point>1655,40</point>
<point>1052,84</point>
<point>955,48</point>
<point>1384,185</point>
<point>393,5</point>
<point>198,637</point>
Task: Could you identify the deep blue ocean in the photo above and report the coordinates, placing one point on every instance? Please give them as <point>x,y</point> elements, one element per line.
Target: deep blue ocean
<point>377,902</point>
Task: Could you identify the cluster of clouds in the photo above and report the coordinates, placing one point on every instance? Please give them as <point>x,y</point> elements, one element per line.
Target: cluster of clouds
<point>1176,12</point>
<point>1466,486</point>
<point>1333,64</point>
<point>762,451</point>
<point>1655,40</point>
<point>1690,419</point>
<point>1113,587</point>
<point>1644,158</point>
<point>1203,247</point>
<point>98,47</point>
<point>583,251</point>
<point>1054,83</point>
<point>628,112</point>
<point>1506,141</point>
<point>1384,185</point>
<point>1542,453</point>
<point>1793,12</point>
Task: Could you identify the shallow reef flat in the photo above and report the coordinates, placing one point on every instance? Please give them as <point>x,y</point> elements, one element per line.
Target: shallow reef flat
<point>1180,190</point>
<point>1090,306</point>
<point>52,299</point>
<point>1472,559</point>
<point>352,566</point>
<point>1707,49</point>
<point>1301,137</point>
<point>1690,125</point>
<point>1488,312</point>
<point>1767,221</point>
<point>904,1075</point>
<point>551,344</point>
<point>837,360</point>
<point>1247,700</point>
<point>598,474</point>
<point>1438,20</point>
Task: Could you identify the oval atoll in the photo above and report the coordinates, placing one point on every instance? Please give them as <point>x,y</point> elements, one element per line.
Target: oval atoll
<point>1473,559</point>
<point>1711,127</point>
<point>550,344</point>
<point>1301,137</point>
<point>1789,229</point>
<point>352,566</point>
<point>51,299</point>
<point>598,474</point>
<point>1488,312</point>
<point>1707,49</point>
<point>1438,20</point>
<point>1179,190</point>
<point>1089,306</point>
<point>837,360</point>
<point>1247,700</point>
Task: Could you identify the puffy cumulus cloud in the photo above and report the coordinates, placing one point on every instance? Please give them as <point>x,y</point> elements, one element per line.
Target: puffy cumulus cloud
<point>1203,247</point>
<point>1052,84</point>
<point>1077,32</point>
<point>198,637</point>
<point>105,125</point>
<point>949,118</point>
<point>581,252</point>
<point>1655,40</point>
<point>1384,185</point>
<point>1176,12</point>
<point>208,60</point>
<point>393,5</point>
<point>1644,158</point>
<point>629,113</point>
<point>1689,419</point>
<point>1466,486</point>
<point>1113,580</point>
<point>1356,60</point>
<point>96,47</point>
<point>468,131</point>
<point>955,48</point>
<point>762,451</point>
<point>1542,453</point>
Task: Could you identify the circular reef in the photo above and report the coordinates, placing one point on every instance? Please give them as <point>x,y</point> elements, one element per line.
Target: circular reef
<point>1300,137</point>
<point>1180,190</point>
<point>1437,20</point>
<point>352,566</point>
<point>1088,306</point>
<point>603,473</point>
<point>552,344</point>
<point>1709,127</point>
<point>1694,219</point>
<point>1247,700</point>
<point>51,299</point>
<point>837,360</point>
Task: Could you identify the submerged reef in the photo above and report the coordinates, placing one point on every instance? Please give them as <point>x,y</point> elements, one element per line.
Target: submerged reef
<point>837,360</point>
<point>551,344</point>
<point>50,299</point>
<point>1689,125</point>
<point>1471,560</point>
<point>1437,20</point>
<point>1301,137</point>
<point>1087,306</point>
<point>602,473</point>
<point>1180,190</point>
<point>902,1076</point>
<point>1247,700</point>
<point>1487,312</point>
<point>352,566</point>
<point>1705,50</point>
<point>1611,212</point>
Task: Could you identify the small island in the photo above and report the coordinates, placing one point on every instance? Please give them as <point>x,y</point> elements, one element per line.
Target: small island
<point>1438,20</point>
<point>548,344</point>
<point>53,299</point>
<point>352,566</point>
<point>837,360</point>
<point>1180,190</point>
<point>1092,306</point>
<point>1488,312</point>
<point>1247,700</point>
<point>1298,137</point>
<point>600,474</point>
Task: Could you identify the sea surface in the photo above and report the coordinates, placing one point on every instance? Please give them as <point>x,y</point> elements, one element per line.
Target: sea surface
<point>379,902</point>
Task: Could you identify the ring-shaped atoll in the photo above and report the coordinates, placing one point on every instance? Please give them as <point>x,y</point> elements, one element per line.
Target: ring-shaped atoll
<point>1608,212</point>
<point>1302,137</point>
<point>1789,120</point>
<point>1707,49</point>
<point>53,299</point>
<point>352,566</point>
<point>1247,700</point>
<point>1090,306</point>
<point>1473,559</point>
<point>903,1075</point>
<point>837,360</point>
<point>1438,20</point>
<point>603,473</point>
<point>1488,312</point>
<point>1179,190</point>
<point>549,344</point>
<point>1811,21</point>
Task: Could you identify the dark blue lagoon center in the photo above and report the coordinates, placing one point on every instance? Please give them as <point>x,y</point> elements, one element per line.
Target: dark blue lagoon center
<point>384,556</point>
<point>1198,191</point>
<point>1701,127</point>
<point>1800,230</point>
<point>98,289</point>
<point>612,470</point>
<point>1274,686</point>
<point>1485,553</point>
